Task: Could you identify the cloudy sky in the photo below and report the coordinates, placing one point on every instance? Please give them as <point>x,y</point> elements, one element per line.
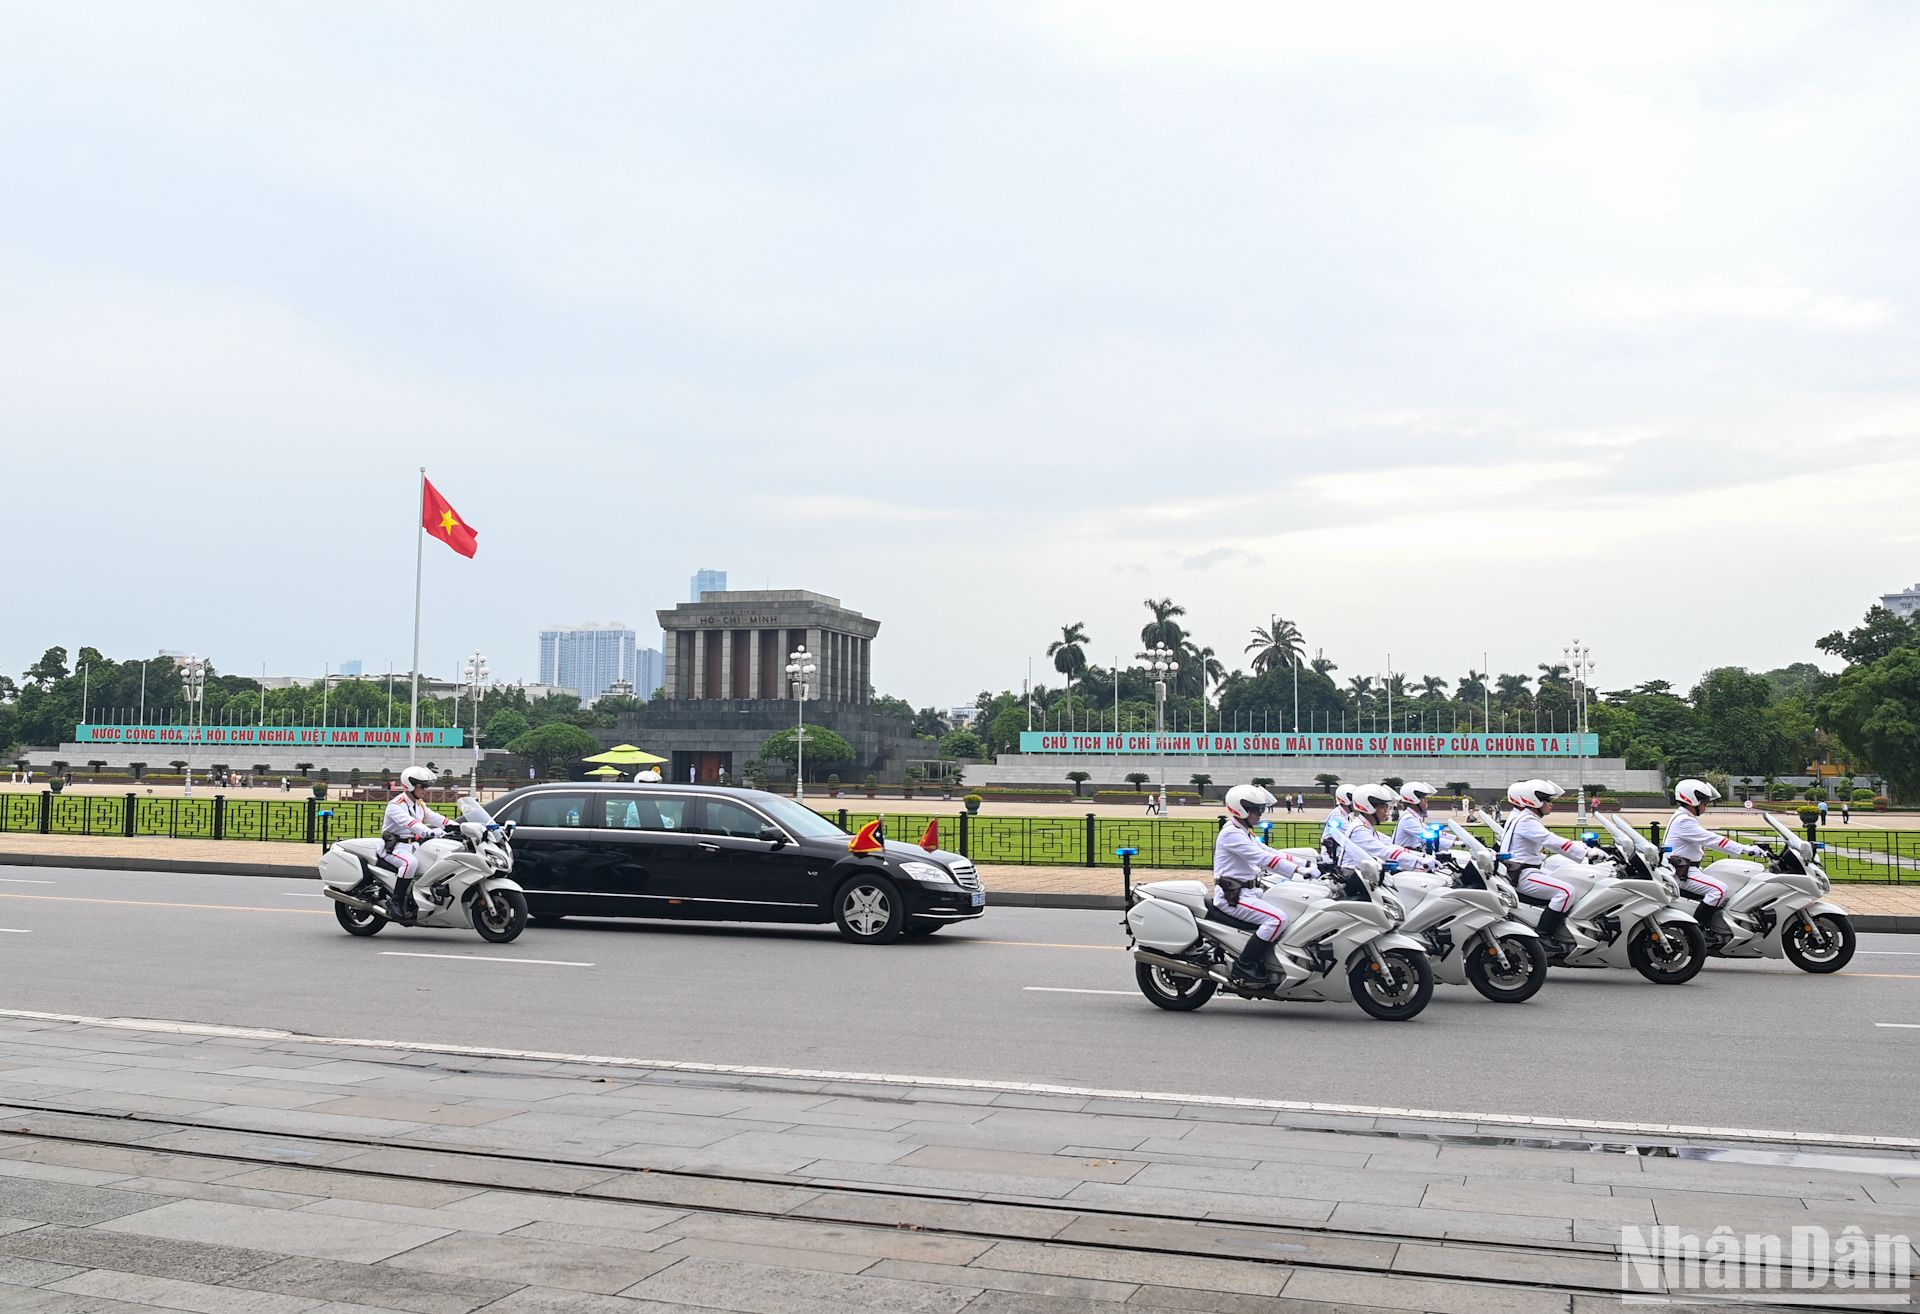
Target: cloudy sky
<point>1438,329</point>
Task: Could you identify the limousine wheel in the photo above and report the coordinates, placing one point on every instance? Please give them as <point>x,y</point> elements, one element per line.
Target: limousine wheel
<point>868,910</point>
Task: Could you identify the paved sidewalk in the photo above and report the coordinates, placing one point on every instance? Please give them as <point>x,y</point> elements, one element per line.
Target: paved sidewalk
<point>233,1172</point>
<point>1880,907</point>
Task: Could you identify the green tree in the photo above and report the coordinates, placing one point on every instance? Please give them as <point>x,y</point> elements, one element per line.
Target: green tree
<point>1268,700</point>
<point>505,726</point>
<point>1162,628</point>
<point>1003,735</point>
<point>1278,643</point>
<point>1326,780</point>
<point>1078,778</point>
<point>1069,655</point>
<point>824,748</point>
<point>550,746</point>
<point>962,743</point>
<point>49,670</point>
<point>1875,709</point>
<point>1877,636</point>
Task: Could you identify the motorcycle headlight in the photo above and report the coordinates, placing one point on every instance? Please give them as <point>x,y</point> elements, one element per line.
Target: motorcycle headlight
<point>1395,909</point>
<point>927,873</point>
<point>1508,899</point>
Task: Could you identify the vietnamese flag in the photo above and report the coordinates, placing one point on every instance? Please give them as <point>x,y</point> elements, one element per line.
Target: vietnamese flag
<point>931,840</point>
<point>438,518</point>
<point>869,840</point>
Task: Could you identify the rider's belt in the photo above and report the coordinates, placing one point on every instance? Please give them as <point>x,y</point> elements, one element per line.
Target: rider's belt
<point>1681,866</point>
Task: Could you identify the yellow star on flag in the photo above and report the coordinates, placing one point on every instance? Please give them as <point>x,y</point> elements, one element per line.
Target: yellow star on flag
<point>448,520</point>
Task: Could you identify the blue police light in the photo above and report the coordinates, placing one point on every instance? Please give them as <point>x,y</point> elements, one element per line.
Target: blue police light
<point>1819,844</point>
<point>1126,853</point>
<point>324,812</point>
<point>1591,835</point>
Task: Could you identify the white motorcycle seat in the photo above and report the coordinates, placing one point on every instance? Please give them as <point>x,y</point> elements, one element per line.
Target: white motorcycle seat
<point>1189,894</point>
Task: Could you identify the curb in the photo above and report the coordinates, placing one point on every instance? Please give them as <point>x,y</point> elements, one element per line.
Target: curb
<point>1867,923</point>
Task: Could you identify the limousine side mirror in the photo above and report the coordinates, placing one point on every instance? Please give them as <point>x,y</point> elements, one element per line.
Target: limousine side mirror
<point>773,835</point>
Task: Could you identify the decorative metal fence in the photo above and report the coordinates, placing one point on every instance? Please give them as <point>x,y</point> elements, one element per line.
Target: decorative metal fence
<point>1850,854</point>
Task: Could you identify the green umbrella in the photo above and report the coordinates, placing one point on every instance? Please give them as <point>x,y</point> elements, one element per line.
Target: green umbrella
<point>605,771</point>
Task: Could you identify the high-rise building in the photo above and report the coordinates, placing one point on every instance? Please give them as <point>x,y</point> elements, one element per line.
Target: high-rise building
<point>588,658</point>
<point>354,667</point>
<point>650,672</point>
<point>1905,603</point>
<point>708,581</point>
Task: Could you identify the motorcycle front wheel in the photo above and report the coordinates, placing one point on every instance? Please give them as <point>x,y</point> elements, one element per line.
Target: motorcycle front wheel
<point>1170,990</point>
<point>1828,949</point>
<point>1675,958</point>
<point>499,915</point>
<point>1396,994</point>
<point>1520,980</point>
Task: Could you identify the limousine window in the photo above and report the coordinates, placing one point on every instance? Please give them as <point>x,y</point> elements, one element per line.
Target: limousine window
<point>725,817</point>
<point>645,813</point>
<point>566,811</point>
<point>798,818</point>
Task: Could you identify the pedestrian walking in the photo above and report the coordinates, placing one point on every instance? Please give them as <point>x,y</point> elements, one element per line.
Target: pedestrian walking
<point>1846,812</point>
<point>1823,812</point>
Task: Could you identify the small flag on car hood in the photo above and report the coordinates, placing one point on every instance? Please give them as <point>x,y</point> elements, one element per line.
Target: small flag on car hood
<point>931,840</point>
<point>871,838</point>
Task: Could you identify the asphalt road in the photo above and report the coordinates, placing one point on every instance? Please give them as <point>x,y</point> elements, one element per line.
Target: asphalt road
<point>1023,994</point>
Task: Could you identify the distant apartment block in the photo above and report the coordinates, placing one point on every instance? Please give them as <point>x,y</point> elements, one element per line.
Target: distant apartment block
<point>708,581</point>
<point>588,658</point>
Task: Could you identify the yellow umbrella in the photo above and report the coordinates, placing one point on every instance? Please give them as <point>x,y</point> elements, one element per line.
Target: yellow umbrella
<point>605,771</point>
<point>625,755</point>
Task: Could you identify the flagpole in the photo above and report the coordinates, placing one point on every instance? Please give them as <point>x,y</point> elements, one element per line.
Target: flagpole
<point>419,559</point>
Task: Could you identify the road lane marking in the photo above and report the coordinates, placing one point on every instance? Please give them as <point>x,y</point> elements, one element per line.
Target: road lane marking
<point>1042,944</point>
<point>481,958</point>
<point>1069,990</point>
<point>1500,1119</point>
<point>21,880</point>
<point>1889,976</point>
<point>155,903</point>
<point>1900,1026</point>
<point>1890,953</point>
<point>8,930</point>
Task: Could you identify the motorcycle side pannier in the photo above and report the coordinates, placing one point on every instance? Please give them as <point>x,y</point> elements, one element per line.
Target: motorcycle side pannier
<point>1163,926</point>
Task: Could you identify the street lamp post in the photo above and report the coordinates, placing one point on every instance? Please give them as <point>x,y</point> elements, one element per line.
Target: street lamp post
<point>1164,668</point>
<point>477,674</point>
<point>193,684</point>
<point>800,673</point>
<point>1580,664</point>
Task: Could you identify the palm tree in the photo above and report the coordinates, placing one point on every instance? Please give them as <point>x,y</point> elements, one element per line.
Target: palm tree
<point>1552,673</point>
<point>1471,687</point>
<point>1360,689</point>
<point>1069,658</point>
<point>1432,686</point>
<point>1206,669</point>
<point>1321,666</point>
<point>1163,628</point>
<point>1277,644</point>
<point>1511,687</point>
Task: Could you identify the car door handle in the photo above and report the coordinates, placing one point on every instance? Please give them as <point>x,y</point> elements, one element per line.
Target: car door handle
<point>704,847</point>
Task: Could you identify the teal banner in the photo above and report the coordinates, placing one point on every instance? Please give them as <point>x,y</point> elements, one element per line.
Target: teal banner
<point>269,736</point>
<point>1231,744</point>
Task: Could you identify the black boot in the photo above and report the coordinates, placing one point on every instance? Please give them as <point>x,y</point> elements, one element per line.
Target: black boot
<point>1717,935</point>
<point>1551,924</point>
<point>402,906</point>
<point>1250,968</point>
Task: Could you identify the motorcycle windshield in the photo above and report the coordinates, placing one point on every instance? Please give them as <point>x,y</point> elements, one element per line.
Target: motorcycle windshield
<point>470,810</point>
<point>1779,828</point>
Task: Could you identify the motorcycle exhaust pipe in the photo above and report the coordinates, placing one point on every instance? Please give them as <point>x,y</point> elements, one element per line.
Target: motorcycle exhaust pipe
<point>1179,965</point>
<point>358,905</point>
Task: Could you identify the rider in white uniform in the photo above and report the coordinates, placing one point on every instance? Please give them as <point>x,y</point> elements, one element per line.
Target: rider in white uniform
<point>1371,805</point>
<point>407,823</point>
<point>1337,820</point>
<point>1412,831</point>
<point>1240,862</point>
<point>1689,840</point>
<point>1525,844</point>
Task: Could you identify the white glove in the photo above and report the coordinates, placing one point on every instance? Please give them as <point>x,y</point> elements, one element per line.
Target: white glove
<point>1754,851</point>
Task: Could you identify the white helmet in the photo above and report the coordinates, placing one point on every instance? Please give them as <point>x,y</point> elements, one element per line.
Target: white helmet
<point>1534,794</point>
<point>1343,795</point>
<point>1373,800</point>
<point>1694,793</point>
<point>415,778</point>
<point>1416,792</point>
<point>1247,802</point>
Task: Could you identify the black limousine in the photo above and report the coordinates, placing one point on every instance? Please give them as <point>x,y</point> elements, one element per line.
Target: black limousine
<point>712,854</point>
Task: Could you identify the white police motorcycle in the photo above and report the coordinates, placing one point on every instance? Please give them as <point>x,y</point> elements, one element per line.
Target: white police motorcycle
<point>1775,909</point>
<point>462,881</point>
<point>1468,915</point>
<point>1346,946</point>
